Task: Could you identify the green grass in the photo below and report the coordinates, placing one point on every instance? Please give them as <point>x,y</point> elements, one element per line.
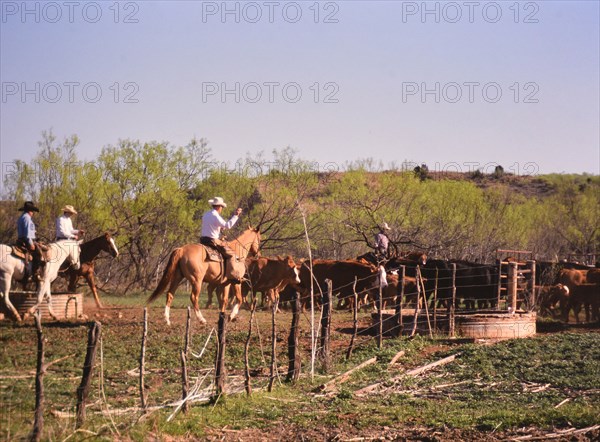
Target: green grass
<point>500,387</point>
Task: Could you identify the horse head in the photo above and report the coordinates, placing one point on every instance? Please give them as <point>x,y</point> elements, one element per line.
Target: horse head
<point>110,246</point>
<point>74,254</point>
<point>254,249</point>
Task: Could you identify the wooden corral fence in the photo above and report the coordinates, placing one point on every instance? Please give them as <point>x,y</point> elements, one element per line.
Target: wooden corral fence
<point>588,259</point>
<point>516,280</point>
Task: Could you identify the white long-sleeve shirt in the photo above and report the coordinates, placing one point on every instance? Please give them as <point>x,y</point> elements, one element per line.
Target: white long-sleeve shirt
<point>64,228</point>
<point>213,223</point>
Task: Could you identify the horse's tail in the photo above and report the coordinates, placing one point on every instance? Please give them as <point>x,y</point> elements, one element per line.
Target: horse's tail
<point>167,276</point>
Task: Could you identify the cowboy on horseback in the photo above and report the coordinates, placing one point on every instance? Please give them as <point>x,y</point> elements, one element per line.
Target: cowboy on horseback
<point>64,225</point>
<point>26,239</point>
<point>382,243</point>
<point>212,225</point>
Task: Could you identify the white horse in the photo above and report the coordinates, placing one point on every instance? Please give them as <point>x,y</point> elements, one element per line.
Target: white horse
<point>14,268</point>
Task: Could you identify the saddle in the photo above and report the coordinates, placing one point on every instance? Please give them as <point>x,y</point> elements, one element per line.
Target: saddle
<point>20,252</point>
<point>25,254</point>
<point>212,254</point>
<point>235,268</point>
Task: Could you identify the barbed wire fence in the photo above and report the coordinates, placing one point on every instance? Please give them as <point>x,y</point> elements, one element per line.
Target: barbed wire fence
<point>400,321</point>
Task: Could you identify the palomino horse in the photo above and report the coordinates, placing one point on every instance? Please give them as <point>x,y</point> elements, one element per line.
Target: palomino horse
<point>89,252</point>
<point>191,262</point>
<point>14,268</point>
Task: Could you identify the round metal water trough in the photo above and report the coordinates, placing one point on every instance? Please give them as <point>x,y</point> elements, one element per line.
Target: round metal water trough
<point>64,305</point>
<point>496,325</point>
<point>490,324</point>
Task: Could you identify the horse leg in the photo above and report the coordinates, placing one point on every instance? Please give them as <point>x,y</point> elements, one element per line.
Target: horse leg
<point>177,277</point>
<point>89,277</point>
<point>48,297</point>
<point>10,306</point>
<point>237,301</point>
<point>4,293</point>
<point>194,297</point>
<point>209,294</point>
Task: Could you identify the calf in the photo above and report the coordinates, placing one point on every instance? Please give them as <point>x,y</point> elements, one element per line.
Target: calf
<point>266,275</point>
<point>391,291</point>
<point>548,296</point>
<point>270,275</point>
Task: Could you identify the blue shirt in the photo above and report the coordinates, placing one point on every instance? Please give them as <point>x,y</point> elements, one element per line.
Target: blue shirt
<point>26,228</point>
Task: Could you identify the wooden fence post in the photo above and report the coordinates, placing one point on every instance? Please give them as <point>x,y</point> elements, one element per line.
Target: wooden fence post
<point>452,306</point>
<point>380,316</point>
<point>273,341</point>
<point>512,285</point>
<point>143,359</point>
<point>325,326</point>
<point>532,294</point>
<point>417,306</point>
<point>399,298</point>
<point>293,340</point>
<point>499,263</point>
<point>435,295</point>
<point>220,374</point>
<point>247,384</point>
<point>185,385</point>
<point>355,316</point>
<point>88,367</point>
<point>419,280</point>
<point>38,423</point>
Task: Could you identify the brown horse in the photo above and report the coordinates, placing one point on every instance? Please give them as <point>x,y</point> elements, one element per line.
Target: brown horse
<point>89,252</point>
<point>191,262</point>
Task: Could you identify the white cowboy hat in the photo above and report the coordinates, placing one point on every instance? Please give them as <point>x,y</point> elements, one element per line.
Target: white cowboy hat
<point>385,226</point>
<point>69,209</point>
<point>217,201</point>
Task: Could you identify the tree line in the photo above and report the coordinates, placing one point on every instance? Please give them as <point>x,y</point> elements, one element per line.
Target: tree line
<point>152,196</point>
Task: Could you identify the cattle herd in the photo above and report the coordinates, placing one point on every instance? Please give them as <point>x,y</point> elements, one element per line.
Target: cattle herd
<point>559,287</point>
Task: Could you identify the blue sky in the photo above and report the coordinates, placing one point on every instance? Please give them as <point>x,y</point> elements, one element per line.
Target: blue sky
<point>365,64</point>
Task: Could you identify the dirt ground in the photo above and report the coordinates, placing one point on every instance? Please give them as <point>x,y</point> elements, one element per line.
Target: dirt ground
<point>131,316</point>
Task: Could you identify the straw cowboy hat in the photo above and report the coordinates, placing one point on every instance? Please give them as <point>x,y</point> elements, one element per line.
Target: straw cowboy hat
<point>69,209</point>
<point>385,226</point>
<point>217,201</point>
<point>29,206</point>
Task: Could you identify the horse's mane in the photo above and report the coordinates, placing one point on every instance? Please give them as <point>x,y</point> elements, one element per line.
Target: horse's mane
<point>242,243</point>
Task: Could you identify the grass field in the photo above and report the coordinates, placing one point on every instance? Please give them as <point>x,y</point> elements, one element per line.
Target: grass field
<point>513,388</point>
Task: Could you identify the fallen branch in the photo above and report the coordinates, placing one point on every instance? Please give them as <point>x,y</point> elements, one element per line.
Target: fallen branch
<point>396,357</point>
<point>413,372</point>
<point>562,403</point>
<point>344,376</point>
<point>424,368</point>
<point>558,434</point>
<point>453,384</point>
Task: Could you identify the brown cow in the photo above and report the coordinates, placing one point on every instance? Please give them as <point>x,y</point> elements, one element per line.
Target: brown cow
<point>587,295</point>
<point>593,276</point>
<point>570,277</point>
<point>342,275</point>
